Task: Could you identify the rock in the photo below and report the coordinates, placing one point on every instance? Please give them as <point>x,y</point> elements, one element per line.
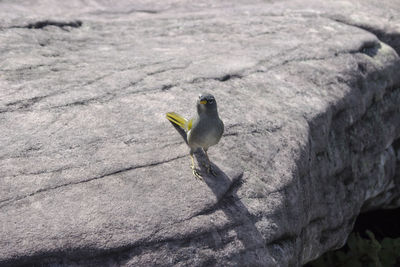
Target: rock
<point>92,173</point>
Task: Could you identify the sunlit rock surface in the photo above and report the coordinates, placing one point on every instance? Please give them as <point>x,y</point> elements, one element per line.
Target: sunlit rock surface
<point>92,173</point>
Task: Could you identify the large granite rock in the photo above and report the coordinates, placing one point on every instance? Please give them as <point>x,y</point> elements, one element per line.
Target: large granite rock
<point>92,173</point>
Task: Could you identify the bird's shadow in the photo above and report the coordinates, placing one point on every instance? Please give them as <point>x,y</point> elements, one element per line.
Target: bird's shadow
<point>180,131</point>
<point>225,189</point>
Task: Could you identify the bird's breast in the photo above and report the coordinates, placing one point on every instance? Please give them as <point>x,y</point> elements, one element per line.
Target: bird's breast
<point>206,133</point>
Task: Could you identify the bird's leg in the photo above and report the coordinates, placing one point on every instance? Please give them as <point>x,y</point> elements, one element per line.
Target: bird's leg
<point>195,172</point>
<point>208,166</point>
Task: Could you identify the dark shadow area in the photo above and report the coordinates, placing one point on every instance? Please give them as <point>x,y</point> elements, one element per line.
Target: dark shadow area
<point>370,48</point>
<point>383,223</point>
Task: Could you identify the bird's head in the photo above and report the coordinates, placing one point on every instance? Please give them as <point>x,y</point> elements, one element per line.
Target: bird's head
<point>206,104</point>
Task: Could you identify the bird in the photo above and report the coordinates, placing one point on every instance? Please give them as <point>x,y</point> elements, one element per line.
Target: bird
<point>202,131</point>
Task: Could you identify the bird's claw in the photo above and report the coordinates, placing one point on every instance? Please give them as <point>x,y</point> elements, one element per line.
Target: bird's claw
<point>197,175</point>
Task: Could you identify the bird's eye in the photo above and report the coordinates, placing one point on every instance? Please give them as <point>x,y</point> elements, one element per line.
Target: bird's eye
<point>210,101</point>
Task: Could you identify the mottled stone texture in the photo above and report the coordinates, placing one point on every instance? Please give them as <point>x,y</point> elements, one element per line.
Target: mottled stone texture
<point>92,173</point>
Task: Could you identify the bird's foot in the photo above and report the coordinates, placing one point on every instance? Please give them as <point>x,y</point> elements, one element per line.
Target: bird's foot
<point>197,175</point>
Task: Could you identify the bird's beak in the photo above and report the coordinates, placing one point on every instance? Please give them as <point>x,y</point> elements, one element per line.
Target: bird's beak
<point>203,102</point>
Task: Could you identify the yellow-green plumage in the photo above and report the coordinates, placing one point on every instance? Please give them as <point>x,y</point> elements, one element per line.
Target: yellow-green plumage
<point>180,121</point>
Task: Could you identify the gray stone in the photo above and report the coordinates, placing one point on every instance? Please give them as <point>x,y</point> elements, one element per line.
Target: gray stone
<point>92,173</point>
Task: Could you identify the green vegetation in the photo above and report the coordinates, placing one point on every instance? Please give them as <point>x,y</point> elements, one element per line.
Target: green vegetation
<point>360,252</point>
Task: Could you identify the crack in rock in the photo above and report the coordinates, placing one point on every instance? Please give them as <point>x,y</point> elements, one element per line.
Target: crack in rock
<point>391,39</point>
<point>128,12</point>
<point>227,77</point>
<point>25,103</point>
<point>223,78</point>
<point>44,23</point>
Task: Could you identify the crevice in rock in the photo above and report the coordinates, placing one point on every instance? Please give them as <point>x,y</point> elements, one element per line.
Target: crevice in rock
<point>383,223</point>
<point>127,12</point>
<point>148,11</point>
<point>44,23</point>
<point>98,79</point>
<point>368,48</point>
<point>396,147</point>
<point>24,103</point>
<point>29,67</point>
<point>169,69</point>
<point>166,87</point>
<point>389,38</point>
<point>228,77</point>
<point>223,78</point>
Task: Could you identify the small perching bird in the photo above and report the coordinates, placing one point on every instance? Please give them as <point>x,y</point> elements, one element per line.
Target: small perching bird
<point>203,130</point>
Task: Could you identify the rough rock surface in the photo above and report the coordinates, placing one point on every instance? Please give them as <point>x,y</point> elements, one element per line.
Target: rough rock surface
<point>92,173</point>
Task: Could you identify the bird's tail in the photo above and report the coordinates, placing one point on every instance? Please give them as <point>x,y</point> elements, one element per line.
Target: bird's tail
<point>177,120</point>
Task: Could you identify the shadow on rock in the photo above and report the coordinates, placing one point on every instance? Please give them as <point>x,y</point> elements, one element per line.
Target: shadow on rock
<point>241,221</point>
<point>252,245</point>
